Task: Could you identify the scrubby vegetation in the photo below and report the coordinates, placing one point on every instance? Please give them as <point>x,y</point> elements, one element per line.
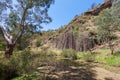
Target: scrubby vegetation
<point>25,65</point>
<point>39,65</point>
<point>68,53</point>
<point>101,56</point>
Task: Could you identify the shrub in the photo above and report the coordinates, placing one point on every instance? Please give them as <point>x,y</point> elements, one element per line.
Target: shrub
<point>7,72</point>
<point>51,54</point>
<point>88,57</point>
<point>33,76</point>
<point>46,56</point>
<point>19,64</point>
<point>2,46</point>
<point>46,53</point>
<point>22,61</point>
<point>69,53</point>
<point>24,65</point>
<point>38,43</point>
<point>23,42</point>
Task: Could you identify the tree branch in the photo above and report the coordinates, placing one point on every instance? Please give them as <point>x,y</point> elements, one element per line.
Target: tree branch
<point>6,35</point>
<point>22,26</point>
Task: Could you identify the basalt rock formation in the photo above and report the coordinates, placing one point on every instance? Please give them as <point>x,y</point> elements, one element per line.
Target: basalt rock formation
<point>82,42</point>
<point>66,41</point>
<point>80,33</point>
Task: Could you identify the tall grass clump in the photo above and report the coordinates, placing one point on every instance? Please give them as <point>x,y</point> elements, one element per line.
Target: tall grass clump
<point>87,56</point>
<point>69,53</point>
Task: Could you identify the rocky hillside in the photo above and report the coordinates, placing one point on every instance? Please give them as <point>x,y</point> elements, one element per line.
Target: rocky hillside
<point>80,33</point>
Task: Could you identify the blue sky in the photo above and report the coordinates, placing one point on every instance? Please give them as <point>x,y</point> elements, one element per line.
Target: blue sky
<point>63,11</point>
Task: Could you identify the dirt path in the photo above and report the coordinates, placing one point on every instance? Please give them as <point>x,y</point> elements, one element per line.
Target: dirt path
<point>71,70</point>
<point>103,74</point>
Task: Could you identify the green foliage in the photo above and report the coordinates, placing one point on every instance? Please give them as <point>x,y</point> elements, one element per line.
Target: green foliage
<point>24,65</point>
<point>38,43</point>
<point>105,24</point>
<point>87,56</point>
<point>69,53</point>
<point>116,8</point>
<point>6,69</point>
<point>115,11</point>
<point>113,60</point>
<point>103,56</point>
<point>23,42</point>
<point>47,56</point>
<point>23,61</point>
<point>25,16</point>
<point>33,76</point>
<point>75,31</point>
<point>19,64</point>
<point>109,19</point>
<point>2,46</point>
<point>32,19</point>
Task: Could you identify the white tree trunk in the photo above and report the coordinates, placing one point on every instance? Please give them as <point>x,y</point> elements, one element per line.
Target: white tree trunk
<point>7,36</point>
<point>9,39</point>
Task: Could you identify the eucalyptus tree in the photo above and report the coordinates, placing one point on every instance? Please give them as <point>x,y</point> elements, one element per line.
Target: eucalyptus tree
<point>20,16</point>
<point>108,22</point>
<point>105,23</point>
<point>115,10</point>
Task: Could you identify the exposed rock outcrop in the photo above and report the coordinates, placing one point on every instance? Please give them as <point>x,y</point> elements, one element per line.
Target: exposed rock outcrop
<point>66,40</point>
<point>96,11</point>
<point>79,42</point>
<point>77,34</point>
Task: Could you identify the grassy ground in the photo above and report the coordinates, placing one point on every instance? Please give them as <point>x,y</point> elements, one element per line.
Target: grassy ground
<point>52,64</point>
<point>101,56</point>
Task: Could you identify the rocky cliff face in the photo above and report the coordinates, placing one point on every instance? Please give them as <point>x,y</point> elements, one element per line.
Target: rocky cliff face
<point>77,34</point>
<point>67,40</point>
<point>96,11</point>
<point>79,42</point>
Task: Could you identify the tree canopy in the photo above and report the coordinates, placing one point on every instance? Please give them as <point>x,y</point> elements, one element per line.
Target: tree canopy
<point>20,16</point>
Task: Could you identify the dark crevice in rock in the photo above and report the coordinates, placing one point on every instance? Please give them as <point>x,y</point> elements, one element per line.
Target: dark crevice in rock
<point>78,42</point>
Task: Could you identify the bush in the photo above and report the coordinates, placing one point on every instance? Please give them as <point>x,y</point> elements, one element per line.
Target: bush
<point>23,42</point>
<point>7,72</point>
<point>69,53</point>
<point>47,57</point>
<point>38,43</point>
<point>46,53</point>
<point>33,76</point>
<point>20,63</point>
<point>88,57</point>
<point>24,65</point>
<point>2,46</point>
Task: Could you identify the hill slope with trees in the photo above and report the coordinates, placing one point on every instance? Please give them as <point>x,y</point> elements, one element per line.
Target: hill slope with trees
<point>93,28</point>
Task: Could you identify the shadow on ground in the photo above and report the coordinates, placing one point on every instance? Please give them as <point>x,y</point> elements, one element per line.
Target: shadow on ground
<point>67,69</point>
<point>109,79</point>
